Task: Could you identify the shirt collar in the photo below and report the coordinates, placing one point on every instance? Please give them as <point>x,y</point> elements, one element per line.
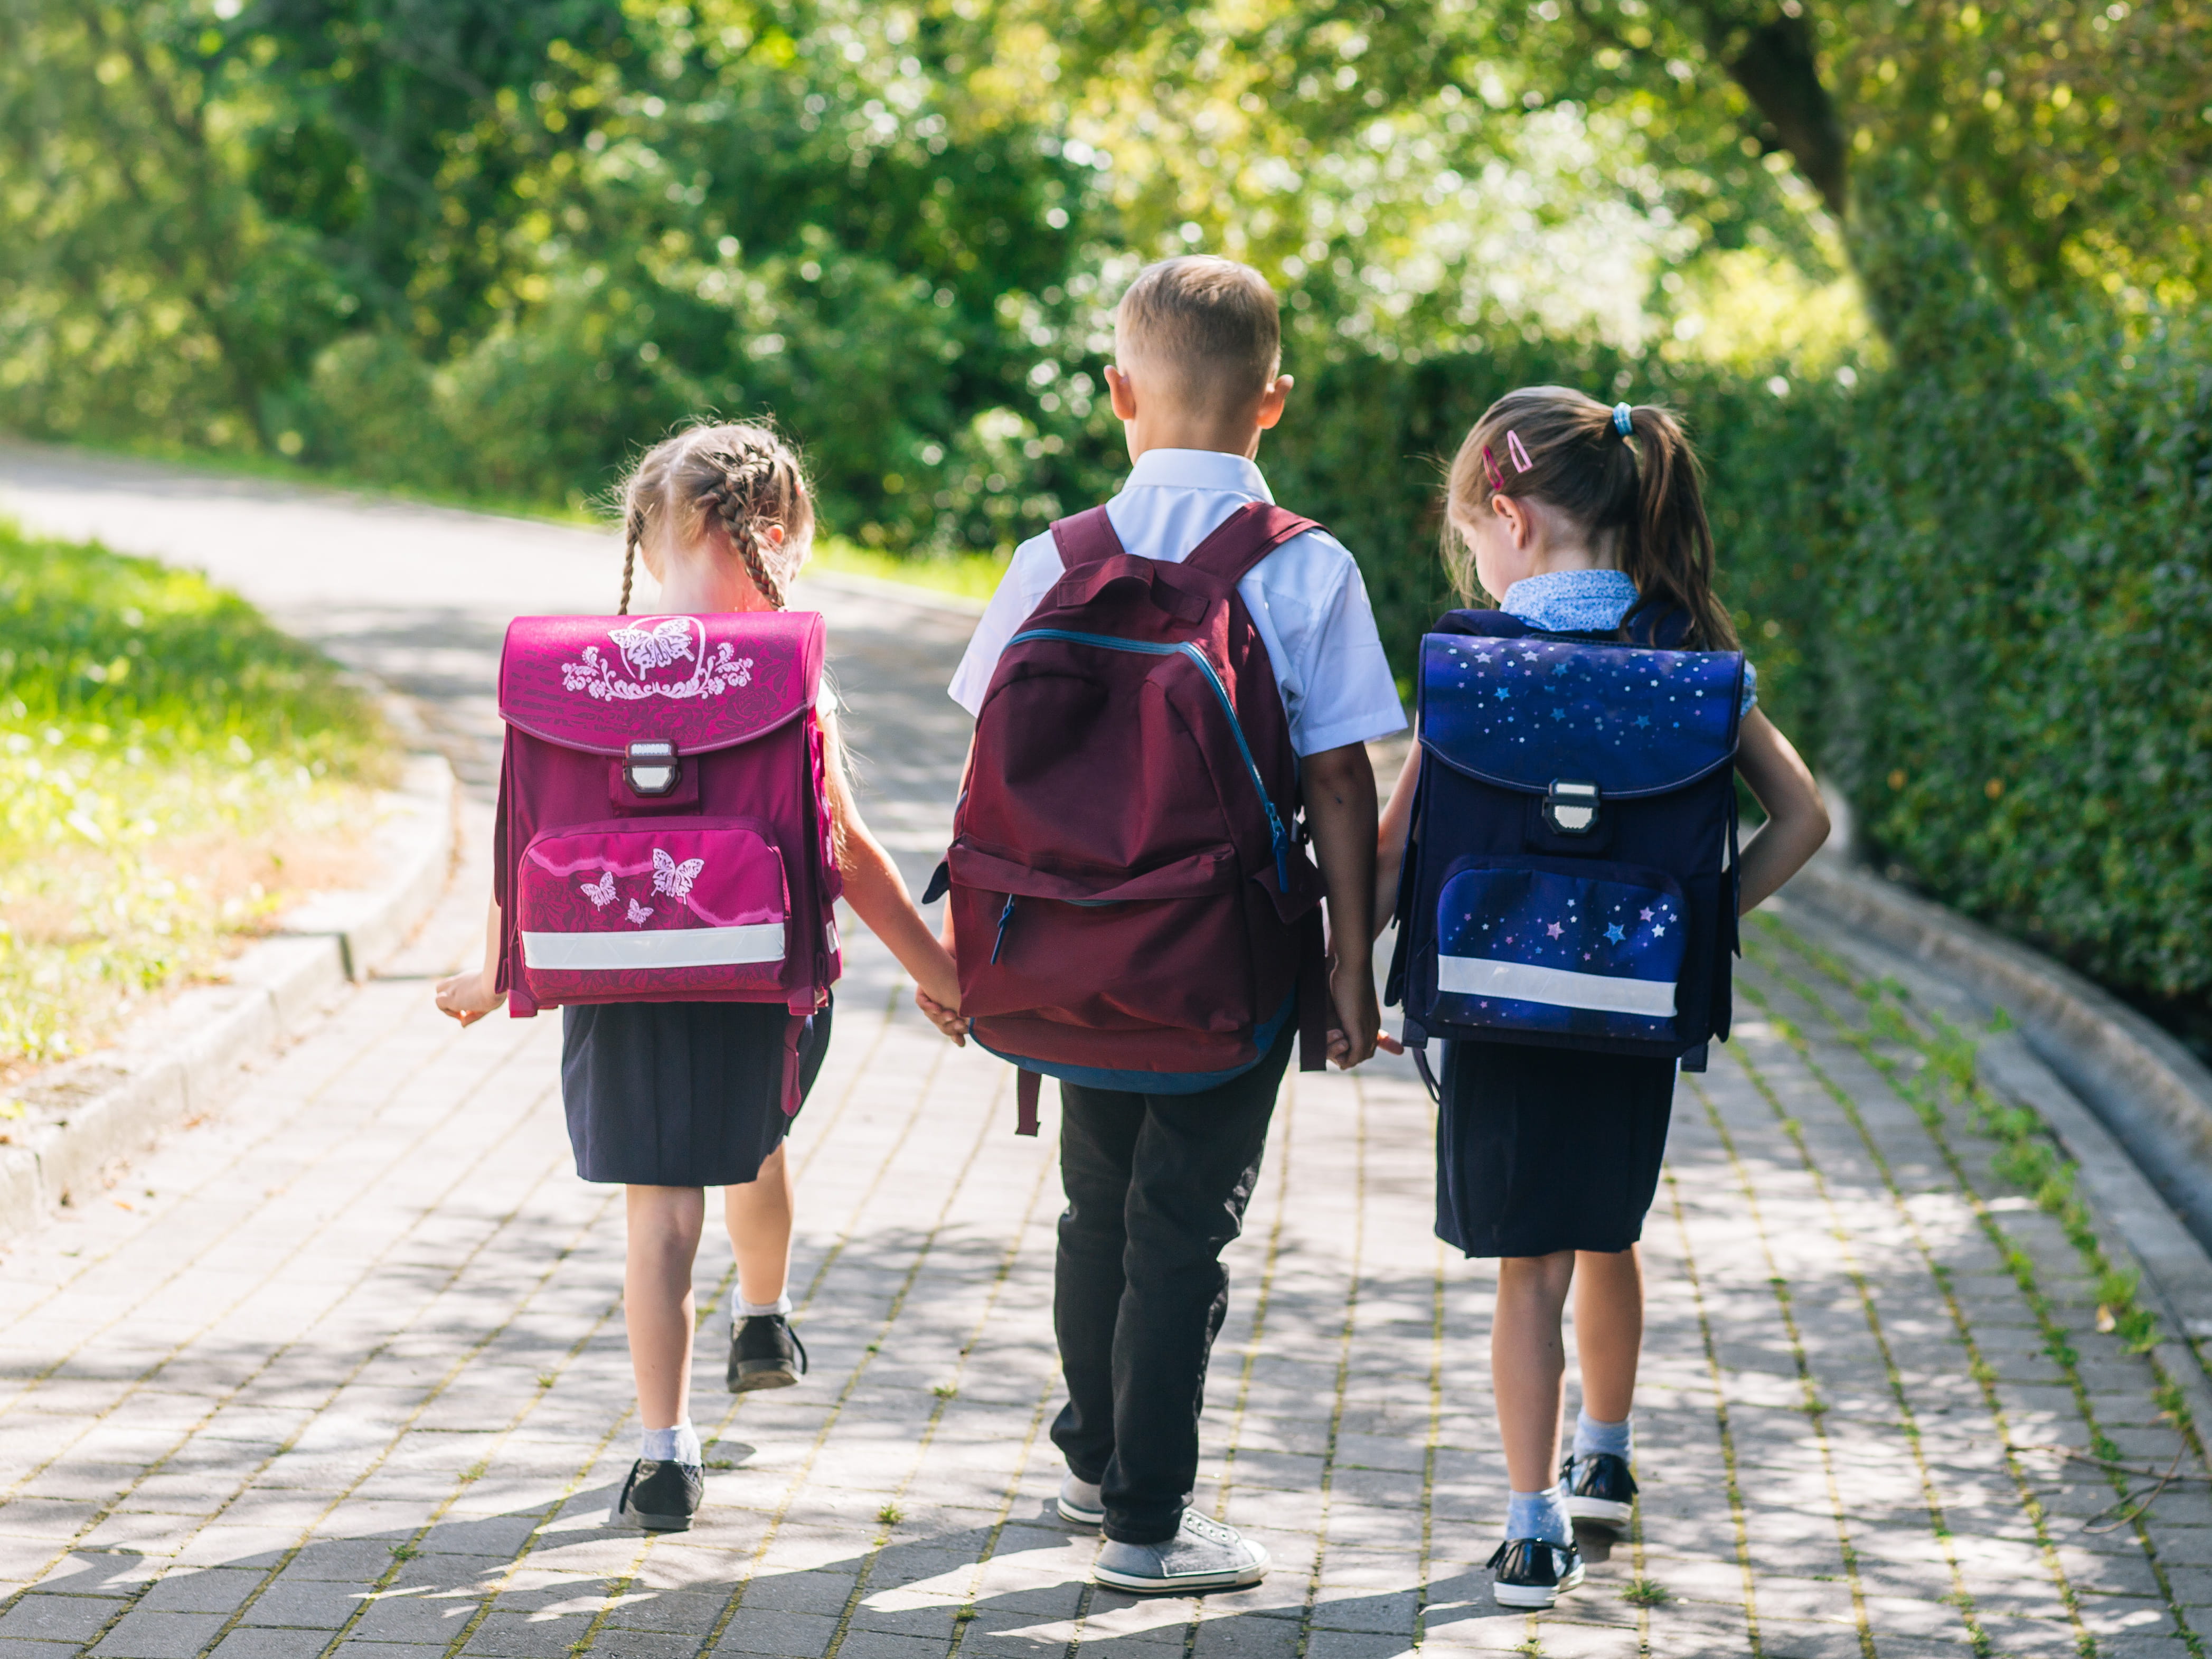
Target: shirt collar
<point>1198,469</point>
<point>1572,601</point>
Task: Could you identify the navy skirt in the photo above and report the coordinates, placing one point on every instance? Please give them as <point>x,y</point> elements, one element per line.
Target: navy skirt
<point>1540,1150</point>
<point>679,1094</point>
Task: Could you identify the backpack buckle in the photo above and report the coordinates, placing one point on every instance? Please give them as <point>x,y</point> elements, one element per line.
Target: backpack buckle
<point>650,767</point>
<point>1570,809</point>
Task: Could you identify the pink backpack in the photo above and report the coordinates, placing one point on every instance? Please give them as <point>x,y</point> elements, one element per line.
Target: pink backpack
<point>1132,906</point>
<point>664,824</point>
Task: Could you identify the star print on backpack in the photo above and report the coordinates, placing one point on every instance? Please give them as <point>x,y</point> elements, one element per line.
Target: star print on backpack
<point>1570,877</point>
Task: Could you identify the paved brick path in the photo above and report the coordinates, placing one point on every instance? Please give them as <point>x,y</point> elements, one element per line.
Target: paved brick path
<point>341,1370</point>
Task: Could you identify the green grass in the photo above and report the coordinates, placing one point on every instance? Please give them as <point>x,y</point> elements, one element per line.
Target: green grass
<point>173,770</point>
<point>971,576</point>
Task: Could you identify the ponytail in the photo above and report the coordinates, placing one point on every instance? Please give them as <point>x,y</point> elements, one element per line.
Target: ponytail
<point>1670,550</point>
<point>1561,446</point>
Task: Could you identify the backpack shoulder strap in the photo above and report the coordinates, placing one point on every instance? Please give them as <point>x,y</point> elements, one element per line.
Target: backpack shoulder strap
<point>1655,621</point>
<point>1482,625</point>
<point>1244,538</point>
<point>1086,537</point>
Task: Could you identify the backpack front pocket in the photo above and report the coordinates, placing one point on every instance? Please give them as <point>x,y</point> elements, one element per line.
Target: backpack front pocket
<point>661,908</point>
<point>1560,946</point>
<point>1033,940</point>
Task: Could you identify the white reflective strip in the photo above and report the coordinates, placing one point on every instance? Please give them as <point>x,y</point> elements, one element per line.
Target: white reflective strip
<point>668,947</point>
<point>1517,981</point>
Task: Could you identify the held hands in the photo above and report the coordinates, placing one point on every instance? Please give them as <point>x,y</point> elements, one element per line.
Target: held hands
<point>945,1018</point>
<point>468,997</point>
<point>937,993</point>
<point>1356,1030</point>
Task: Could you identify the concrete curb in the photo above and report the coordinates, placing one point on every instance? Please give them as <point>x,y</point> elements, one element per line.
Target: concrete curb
<point>2135,1227</point>
<point>2149,1090</point>
<point>182,1059</point>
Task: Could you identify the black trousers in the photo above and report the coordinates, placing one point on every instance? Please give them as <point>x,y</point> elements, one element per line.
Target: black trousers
<point>1156,1186</point>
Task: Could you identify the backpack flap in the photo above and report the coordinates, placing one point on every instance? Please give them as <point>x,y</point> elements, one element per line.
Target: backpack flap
<point>604,683</point>
<point>1576,724</point>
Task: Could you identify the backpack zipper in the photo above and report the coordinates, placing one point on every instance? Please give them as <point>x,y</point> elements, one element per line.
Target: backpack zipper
<point>1277,838</point>
<point>1005,916</point>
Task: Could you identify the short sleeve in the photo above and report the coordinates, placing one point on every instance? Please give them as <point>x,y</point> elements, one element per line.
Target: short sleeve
<point>1036,566</point>
<point>1750,688</point>
<point>1345,691</point>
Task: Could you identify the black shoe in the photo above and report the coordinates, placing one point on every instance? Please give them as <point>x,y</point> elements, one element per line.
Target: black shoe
<point>1600,1492</point>
<point>1532,1573</point>
<point>660,1497</point>
<point>761,1351</point>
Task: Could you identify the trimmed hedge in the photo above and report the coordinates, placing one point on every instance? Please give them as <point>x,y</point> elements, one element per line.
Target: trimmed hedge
<point>2024,642</point>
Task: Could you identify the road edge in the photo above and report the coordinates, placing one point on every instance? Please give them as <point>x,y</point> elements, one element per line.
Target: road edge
<point>182,1059</point>
<point>2150,1091</point>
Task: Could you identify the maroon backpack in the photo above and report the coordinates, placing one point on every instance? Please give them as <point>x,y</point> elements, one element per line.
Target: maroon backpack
<point>664,827</point>
<point>1132,908</point>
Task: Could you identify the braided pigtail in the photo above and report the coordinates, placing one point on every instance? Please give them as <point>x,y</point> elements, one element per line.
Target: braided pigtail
<point>633,534</point>
<point>738,501</point>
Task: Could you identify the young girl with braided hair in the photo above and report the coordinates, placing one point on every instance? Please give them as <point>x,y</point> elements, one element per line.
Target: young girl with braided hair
<point>1574,515</point>
<point>669,1098</point>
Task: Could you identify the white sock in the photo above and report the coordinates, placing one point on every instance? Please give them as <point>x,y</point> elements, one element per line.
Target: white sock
<point>677,1445</point>
<point>1539,1514</point>
<point>760,1310</point>
<point>1593,1437</point>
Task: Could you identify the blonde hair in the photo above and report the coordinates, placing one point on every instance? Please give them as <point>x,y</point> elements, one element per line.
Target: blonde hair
<point>1211,324</point>
<point>733,479</point>
<point>1645,483</point>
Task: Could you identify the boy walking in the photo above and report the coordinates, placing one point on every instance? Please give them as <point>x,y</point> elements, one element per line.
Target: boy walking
<point>1158,1170</point>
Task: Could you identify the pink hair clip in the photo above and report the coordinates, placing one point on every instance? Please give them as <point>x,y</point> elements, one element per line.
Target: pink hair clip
<point>1520,455</point>
<point>1490,466</point>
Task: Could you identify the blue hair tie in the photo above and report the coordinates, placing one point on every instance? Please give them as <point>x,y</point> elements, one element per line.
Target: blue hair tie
<point>1624,420</point>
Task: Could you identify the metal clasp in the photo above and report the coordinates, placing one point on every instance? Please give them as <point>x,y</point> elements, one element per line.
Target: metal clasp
<point>651,768</point>
<point>1572,808</point>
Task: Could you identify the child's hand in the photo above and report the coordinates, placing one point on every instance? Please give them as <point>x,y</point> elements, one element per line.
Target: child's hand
<point>944,1018</point>
<point>468,997</point>
<point>1359,1021</point>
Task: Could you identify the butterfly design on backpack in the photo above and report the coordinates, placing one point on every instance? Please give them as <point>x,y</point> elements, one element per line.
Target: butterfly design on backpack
<point>639,913</point>
<point>673,878</point>
<point>645,647</point>
<point>648,648</point>
<point>603,894</point>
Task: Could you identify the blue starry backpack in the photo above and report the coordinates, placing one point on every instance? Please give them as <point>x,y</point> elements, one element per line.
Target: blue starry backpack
<point>1569,878</point>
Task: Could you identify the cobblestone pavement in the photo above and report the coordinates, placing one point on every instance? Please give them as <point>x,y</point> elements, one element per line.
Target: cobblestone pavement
<point>340,1371</point>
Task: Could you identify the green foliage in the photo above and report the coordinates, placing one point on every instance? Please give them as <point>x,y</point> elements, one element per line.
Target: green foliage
<point>488,247</point>
<point>164,752</point>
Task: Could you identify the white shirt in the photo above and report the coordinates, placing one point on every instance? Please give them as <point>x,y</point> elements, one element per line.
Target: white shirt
<point>1305,598</point>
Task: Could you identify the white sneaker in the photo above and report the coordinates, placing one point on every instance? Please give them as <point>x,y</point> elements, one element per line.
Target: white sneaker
<point>1080,1502</point>
<point>1203,1555</point>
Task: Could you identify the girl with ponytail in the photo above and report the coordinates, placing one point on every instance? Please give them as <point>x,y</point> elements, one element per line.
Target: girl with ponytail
<point>669,1098</point>
<point>1581,519</point>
